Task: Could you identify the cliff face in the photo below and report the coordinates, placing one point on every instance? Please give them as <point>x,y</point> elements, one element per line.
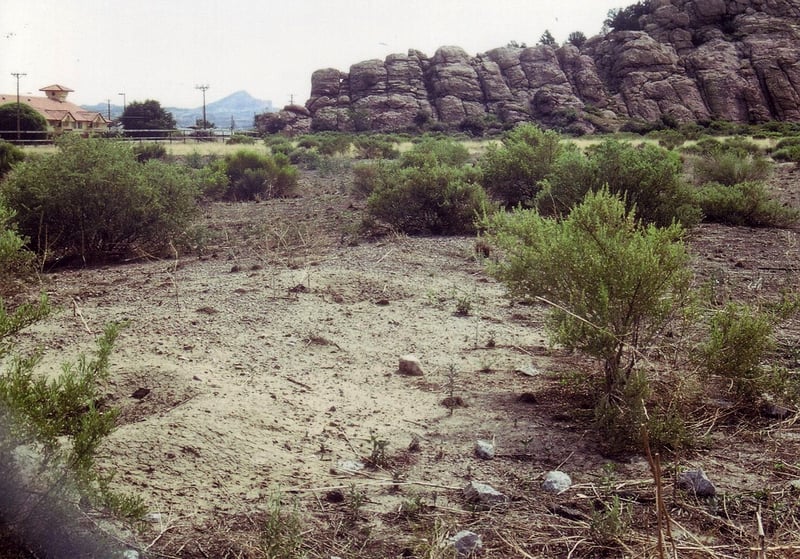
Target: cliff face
<point>692,60</point>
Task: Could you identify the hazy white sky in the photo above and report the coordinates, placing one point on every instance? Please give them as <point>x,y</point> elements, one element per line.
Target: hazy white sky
<point>162,49</point>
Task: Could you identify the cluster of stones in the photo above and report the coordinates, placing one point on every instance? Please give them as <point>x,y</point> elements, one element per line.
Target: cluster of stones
<point>693,61</point>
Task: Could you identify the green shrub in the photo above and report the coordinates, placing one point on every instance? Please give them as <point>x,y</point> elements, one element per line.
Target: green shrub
<point>255,176</point>
<point>60,421</point>
<point>512,171</point>
<point>572,175</point>
<point>241,139</point>
<point>436,151</point>
<point>426,191</point>
<point>434,199</point>
<point>612,284</point>
<point>366,177</point>
<point>9,155</point>
<point>371,147</point>
<point>787,149</point>
<point>146,151</point>
<point>15,261</point>
<point>281,146</point>
<point>305,158</point>
<point>331,143</point>
<point>787,154</point>
<point>746,203</point>
<point>739,339</point>
<point>730,167</point>
<point>650,180</point>
<point>93,200</point>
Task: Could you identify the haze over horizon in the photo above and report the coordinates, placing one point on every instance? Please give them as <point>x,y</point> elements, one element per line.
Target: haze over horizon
<point>163,50</point>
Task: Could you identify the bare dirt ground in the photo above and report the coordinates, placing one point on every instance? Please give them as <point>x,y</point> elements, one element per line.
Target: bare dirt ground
<point>265,357</point>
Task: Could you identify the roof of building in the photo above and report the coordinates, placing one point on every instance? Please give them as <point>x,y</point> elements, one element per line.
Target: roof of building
<point>53,109</point>
<point>56,87</point>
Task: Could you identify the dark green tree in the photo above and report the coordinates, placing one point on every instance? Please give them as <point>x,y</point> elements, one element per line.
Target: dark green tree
<point>29,121</point>
<point>576,38</point>
<point>146,115</point>
<point>547,39</point>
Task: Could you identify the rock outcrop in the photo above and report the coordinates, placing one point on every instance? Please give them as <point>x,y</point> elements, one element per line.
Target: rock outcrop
<point>691,61</point>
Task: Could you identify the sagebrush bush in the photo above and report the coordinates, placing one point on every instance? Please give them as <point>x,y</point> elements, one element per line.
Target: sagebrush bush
<point>649,178</point>
<point>746,203</point>
<point>372,147</point>
<point>739,339</point>
<point>426,191</point>
<point>15,261</point>
<point>731,166</point>
<point>93,200</point>
<point>572,175</point>
<point>513,170</point>
<point>611,282</point>
<point>787,149</point>
<point>61,421</point>
<point>145,151</point>
<point>256,176</point>
<point>9,155</point>
<point>332,143</point>
<point>239,138</point>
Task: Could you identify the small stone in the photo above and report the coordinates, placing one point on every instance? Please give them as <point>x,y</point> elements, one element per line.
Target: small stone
<point>467,544</point>
<point>483,495</point>
<point>697,482</point>
<point>140,393</point>
<point>154,517</point>
<point>484,449</point>
<point>410,365</point>
<point>795,484</point>
<point>130,554</point>
<point>556,482</point>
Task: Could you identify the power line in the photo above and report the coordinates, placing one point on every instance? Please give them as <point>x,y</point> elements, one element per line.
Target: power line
<point>18,75</point>
<point>203,88</point>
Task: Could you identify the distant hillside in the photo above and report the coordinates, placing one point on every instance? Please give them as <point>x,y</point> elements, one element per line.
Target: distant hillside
<point>240,106</point>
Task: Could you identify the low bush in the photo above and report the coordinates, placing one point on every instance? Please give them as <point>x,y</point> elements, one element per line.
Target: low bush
<point>146,151</point>
<point>513,170</point>
<point>572,175</point>
<point>427,191</point>
<point>745,203</point>
<point>731,166</point>
<point>256,176</point>
<point>787,150</point>
<point>612,285</point>
<point>372,147</point>
<point>649,178</point>
<point>9,155</point>
<point>15,261</point>
<point>93,200</point>
<point>332,143</point>
<point>60,422</point>
<point>241,139</point>
<point>739,339</point>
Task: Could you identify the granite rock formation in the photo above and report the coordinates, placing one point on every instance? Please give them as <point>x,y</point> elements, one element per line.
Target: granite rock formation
<point>691,61</point>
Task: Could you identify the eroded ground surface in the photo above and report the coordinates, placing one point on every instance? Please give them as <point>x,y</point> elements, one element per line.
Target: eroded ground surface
<point>268,354</point>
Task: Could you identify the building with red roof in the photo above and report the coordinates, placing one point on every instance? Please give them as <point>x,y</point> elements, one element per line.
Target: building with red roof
<point>60,114</point>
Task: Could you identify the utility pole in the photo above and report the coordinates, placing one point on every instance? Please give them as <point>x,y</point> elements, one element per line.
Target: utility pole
<point>109,109</point>
<point>18,75</point>
<point>203,88</point>
<point>124,101</point>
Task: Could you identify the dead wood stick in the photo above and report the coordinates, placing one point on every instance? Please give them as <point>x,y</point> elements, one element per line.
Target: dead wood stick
<point>77,312</point>
<point>298,383</point>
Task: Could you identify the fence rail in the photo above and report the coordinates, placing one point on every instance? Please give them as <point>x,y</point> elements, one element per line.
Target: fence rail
<point>184,136</point>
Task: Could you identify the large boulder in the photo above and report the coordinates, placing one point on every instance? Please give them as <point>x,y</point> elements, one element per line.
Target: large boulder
<point>691,61</point>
